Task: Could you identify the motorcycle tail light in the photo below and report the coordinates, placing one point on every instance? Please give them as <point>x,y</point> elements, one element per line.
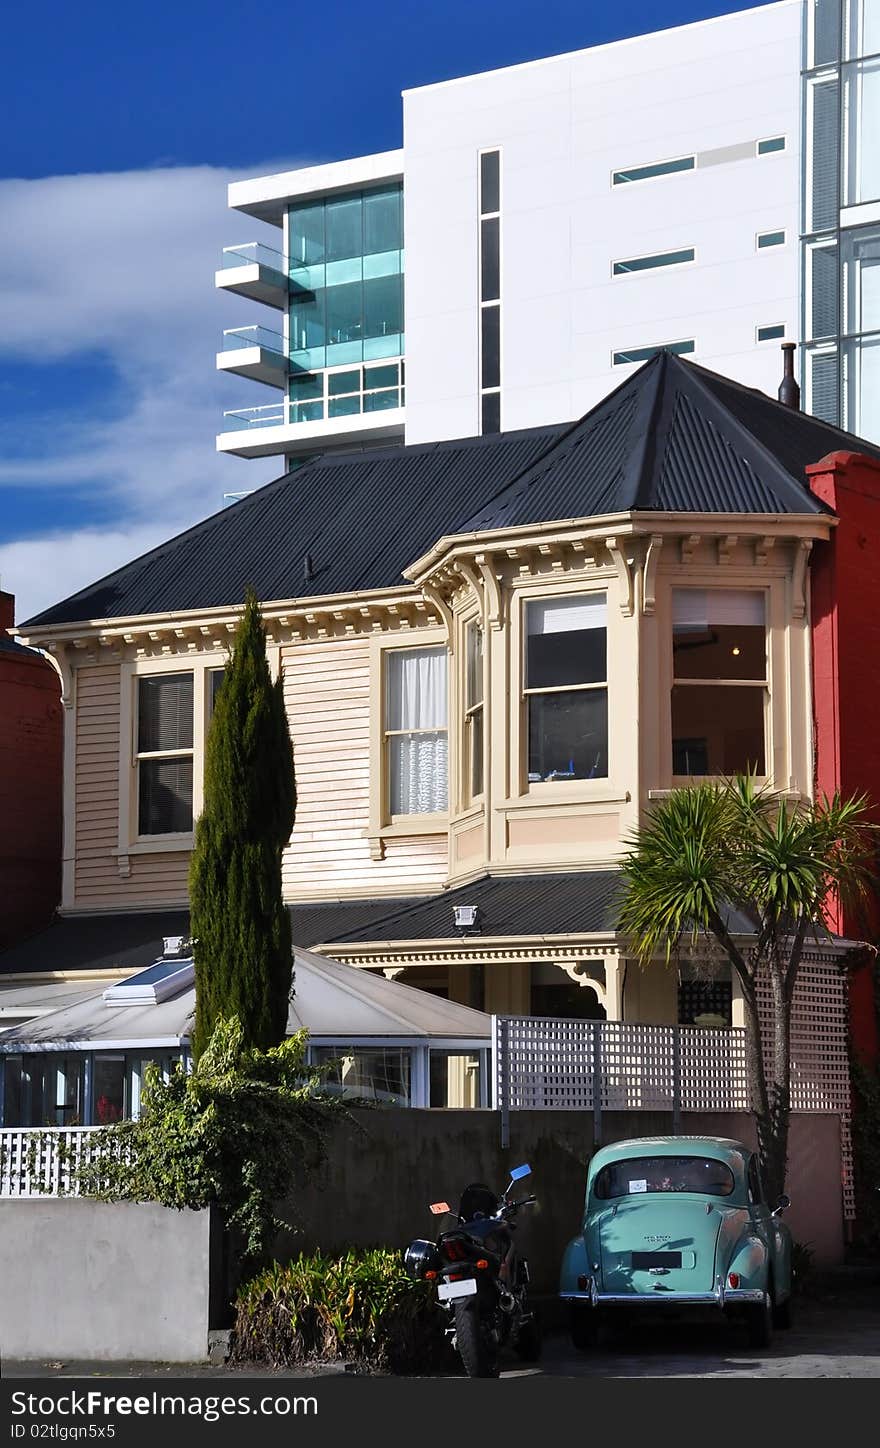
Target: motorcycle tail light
<point>454,1251</point>
<point>430,1276</point>
<point>454,1277</point>
<point>481,1262</point>
<point>733,1279</point>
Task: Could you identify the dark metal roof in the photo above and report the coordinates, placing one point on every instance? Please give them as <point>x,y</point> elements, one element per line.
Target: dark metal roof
<point>132,940</point>
<point>548,904</point>
<point>361,517</point>
<point>673,438</point>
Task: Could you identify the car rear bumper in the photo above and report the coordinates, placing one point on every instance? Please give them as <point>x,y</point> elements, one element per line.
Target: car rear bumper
<point>719,1297</point>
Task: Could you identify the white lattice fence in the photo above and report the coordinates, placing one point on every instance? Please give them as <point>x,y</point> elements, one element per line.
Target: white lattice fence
<point>43,1161</point>
<point>541,1062</point>
<point>819,1052</point>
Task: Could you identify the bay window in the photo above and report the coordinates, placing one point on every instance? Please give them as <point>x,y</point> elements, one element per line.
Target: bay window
<point>164,755</point>
<point>566,688</point>
<point>415,728</point>
<point>719,690</point>
<point>473,719</point>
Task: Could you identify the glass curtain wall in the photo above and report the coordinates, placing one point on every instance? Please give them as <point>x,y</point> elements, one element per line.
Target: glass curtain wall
<point>841,232</point>
<point>346,303</point>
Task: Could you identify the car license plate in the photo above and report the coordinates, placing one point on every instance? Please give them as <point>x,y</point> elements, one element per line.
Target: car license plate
<point>466,1288</point>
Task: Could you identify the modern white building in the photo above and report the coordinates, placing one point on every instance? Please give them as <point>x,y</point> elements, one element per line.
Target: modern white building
<point>545,227</point>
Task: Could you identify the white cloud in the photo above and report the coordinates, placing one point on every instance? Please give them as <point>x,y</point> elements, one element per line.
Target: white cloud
<point>122,265</point>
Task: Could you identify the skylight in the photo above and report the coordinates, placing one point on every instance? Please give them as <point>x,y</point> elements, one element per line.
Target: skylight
<point>159,982</point>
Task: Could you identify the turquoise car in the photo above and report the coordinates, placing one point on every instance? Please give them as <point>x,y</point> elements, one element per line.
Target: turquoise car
<point>678,1224</point>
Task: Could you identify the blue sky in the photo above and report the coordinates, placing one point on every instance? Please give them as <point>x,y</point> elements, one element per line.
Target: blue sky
<point>123,126</point>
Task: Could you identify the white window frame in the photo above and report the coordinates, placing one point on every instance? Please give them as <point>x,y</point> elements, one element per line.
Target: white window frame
<point>382,823</point>
<point>765,341</point>
<point>648,270</point>
<point>694,585</point>
<point>773,245</point>
<point>575,789</point>
<point>777,150</point>
<point>469,796</point>
<point>130,842</point>
<point>661,176</point>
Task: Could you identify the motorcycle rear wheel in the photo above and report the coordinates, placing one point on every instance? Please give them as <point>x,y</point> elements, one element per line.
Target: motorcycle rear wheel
<point>475,1341</point>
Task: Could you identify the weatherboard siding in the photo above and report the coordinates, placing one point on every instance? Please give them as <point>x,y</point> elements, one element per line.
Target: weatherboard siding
<point>153,878</point>
<point>327,695</point>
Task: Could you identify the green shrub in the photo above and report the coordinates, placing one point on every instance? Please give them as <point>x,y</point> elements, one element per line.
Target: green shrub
<point>240,1131</point>
<point>362,1307</point>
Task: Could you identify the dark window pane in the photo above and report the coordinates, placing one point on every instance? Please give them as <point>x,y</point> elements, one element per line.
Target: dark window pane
<point>344,406</point>
<point>383,306</point>
<point>165,712</point>
<point>304,386</point>
<point>389,397</point>
<point>659,168</point>
<point>307,320</point>
<point>568,735</point>
<point>577,656</point>
<point>490,181</point>
<point>165,796</point>
<point>343,228</point>
<point>387,376</point>
<point>491,419</point>
<point>344,308</point>
<point>382,221</point>
<point>216,683</point>
<point>490,261</point>
<point>491,333</point>
<point>306,240</point>
<point>341,383</point>
<point>109,1088</point>
<point>475,745</point>
<point>717,729</point>
<point>719,651</point>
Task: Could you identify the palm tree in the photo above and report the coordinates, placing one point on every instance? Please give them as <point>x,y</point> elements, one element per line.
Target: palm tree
<point>709,849</point>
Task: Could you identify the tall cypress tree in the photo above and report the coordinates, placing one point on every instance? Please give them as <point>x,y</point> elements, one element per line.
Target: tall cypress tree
<point>241,929</point>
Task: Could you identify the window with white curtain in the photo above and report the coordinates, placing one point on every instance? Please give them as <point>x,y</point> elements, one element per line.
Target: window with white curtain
<point>719,691</point>
<point>566,688</point>
<point>416,742</point>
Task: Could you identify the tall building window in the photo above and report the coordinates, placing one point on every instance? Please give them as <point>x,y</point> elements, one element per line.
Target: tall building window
<point>566,688</point>
<point>165,754</point>
<point>473,719</point>
<point>416,745</point>
<point>719,691</point>
<point>346,281</point>
<point>490,291</point>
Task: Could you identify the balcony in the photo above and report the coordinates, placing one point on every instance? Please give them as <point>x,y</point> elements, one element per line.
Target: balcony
<point>347,407</point>
<point>255,352</point>
<point>254,271</point>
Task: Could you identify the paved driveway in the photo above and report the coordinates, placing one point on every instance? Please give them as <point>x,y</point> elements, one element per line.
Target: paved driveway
<point>839,1339</point>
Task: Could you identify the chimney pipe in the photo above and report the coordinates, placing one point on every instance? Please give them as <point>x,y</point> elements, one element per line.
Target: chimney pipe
<point>789,392</point>
<point>308,569</point>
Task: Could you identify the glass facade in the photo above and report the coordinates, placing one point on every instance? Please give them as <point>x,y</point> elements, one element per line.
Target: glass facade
<point>346,279</point>
<point>841,248</point>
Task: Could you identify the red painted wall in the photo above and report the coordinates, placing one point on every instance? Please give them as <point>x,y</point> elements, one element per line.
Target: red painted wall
<point>845,606</point>
<point>30,787</point>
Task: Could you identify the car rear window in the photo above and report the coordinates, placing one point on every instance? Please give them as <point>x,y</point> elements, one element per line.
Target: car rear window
<point>640,1174</point>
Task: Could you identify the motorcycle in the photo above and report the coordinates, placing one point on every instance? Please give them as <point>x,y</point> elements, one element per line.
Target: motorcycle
<point>482,1281</point>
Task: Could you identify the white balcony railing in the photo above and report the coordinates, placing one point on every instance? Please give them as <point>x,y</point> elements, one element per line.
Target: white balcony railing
<point>254,253</point>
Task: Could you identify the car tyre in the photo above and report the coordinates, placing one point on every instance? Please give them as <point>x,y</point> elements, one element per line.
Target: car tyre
<point>759,1322</point>
<point>583,1327</point>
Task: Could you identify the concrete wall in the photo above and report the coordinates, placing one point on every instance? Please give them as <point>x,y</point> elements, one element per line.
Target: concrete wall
<point>384,1173</point>
<point>91,1280</point>
<point>563,125</point>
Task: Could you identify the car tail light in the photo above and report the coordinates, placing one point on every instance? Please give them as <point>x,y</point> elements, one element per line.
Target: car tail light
<point>733,1279</point>
<point>582,1283</point>
<point>430,1276</point>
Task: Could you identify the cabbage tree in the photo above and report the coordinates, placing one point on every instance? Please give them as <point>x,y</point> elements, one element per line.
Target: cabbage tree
<point>708,849</point>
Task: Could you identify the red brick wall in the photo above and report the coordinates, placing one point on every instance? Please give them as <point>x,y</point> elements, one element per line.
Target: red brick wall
<point>30,788</point>
<point>845,604</point>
